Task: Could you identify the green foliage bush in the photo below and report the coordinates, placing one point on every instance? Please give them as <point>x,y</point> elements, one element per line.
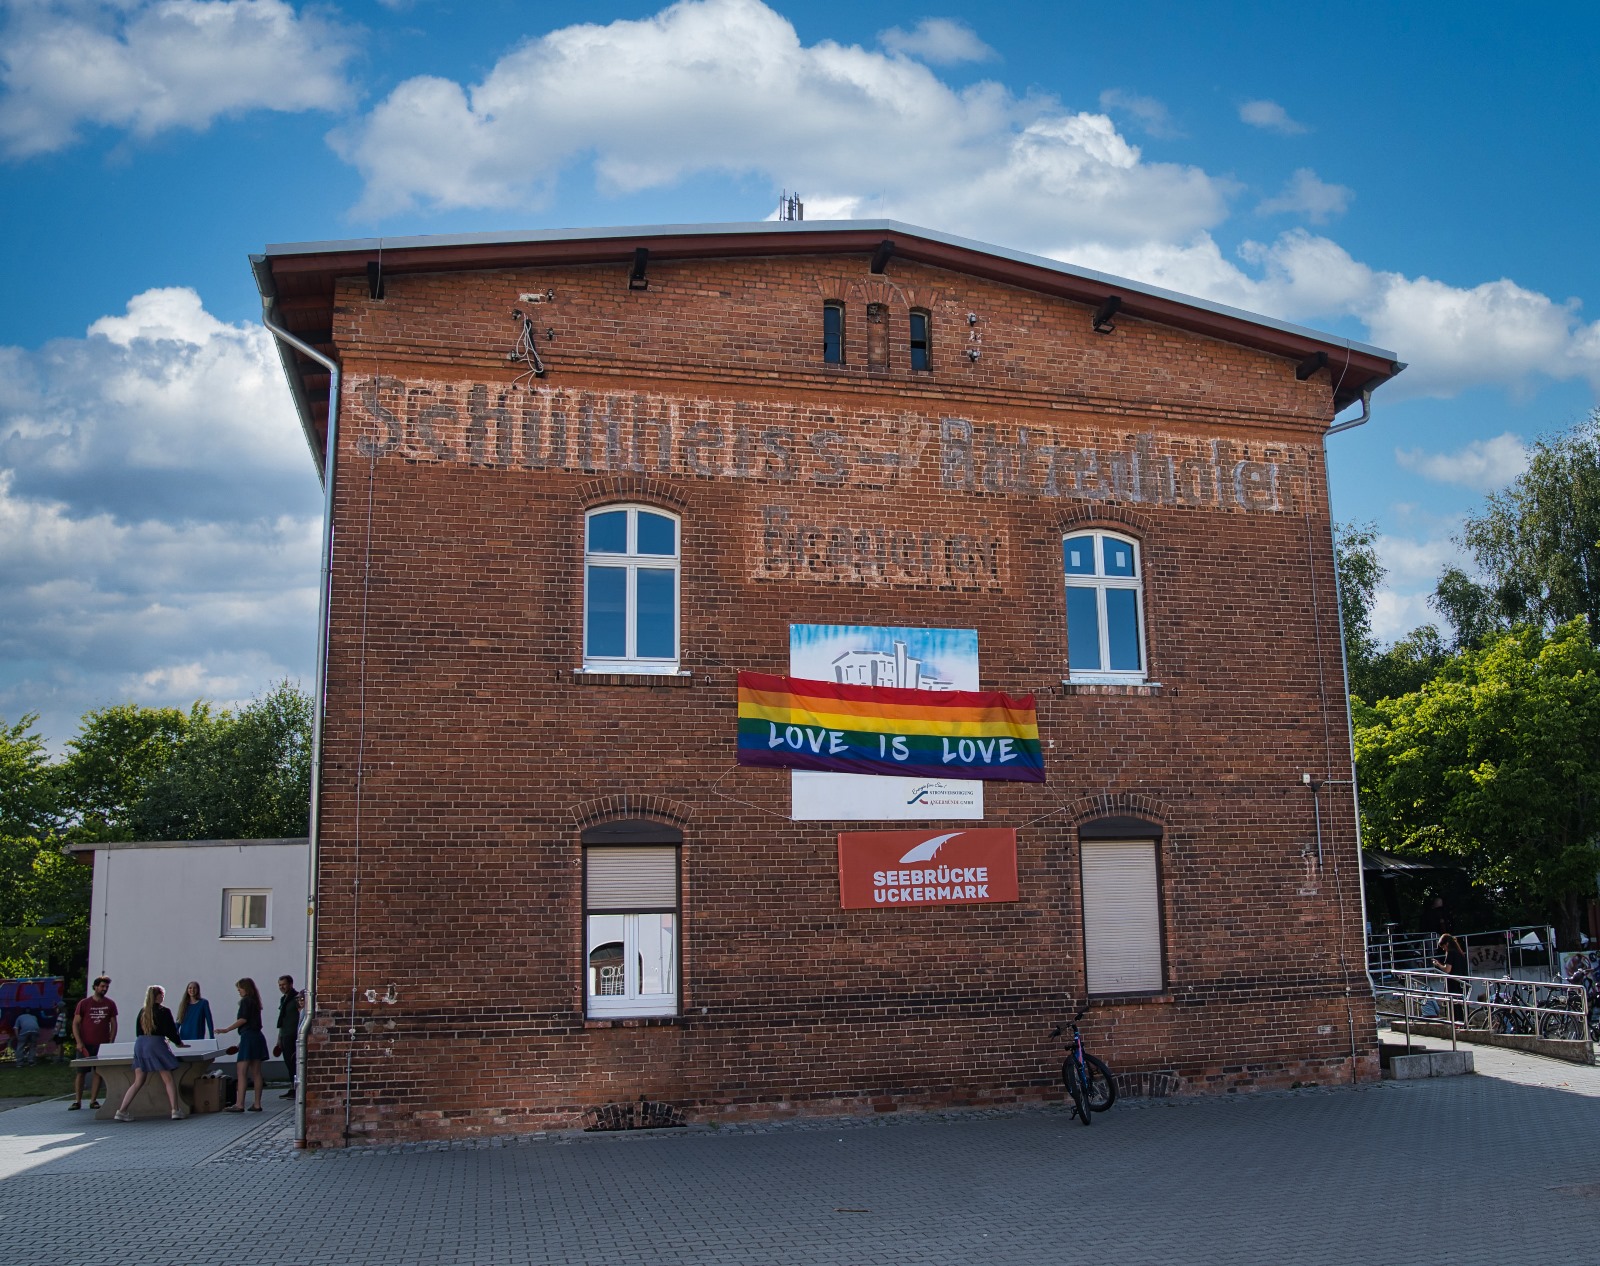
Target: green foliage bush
<point>136,773</point>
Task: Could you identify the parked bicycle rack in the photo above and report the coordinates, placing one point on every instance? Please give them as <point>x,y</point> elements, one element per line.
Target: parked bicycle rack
<point>1547,1010</point>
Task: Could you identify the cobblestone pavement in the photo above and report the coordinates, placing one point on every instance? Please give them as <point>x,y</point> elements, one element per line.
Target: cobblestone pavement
<point>1499,1167</point>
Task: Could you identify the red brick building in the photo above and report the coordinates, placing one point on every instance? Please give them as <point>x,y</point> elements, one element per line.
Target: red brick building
<point>543,885</point>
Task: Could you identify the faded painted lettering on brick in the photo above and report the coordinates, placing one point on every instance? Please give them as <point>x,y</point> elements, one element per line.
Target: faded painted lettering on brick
<point>784,442</point>
<point>796,545</point>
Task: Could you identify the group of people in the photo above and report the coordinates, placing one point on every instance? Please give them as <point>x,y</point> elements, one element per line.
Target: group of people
<point>157,1032</point>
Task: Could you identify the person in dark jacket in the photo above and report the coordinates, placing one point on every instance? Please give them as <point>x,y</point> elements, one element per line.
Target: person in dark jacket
<point>153,1030</point>
<point>1452,958</point>
<point>288,1028</point>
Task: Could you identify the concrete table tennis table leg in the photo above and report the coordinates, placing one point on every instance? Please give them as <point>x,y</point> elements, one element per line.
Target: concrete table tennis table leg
<point>151,1101</point>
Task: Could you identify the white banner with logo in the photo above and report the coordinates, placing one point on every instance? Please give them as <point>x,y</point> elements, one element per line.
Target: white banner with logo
<point>912,659</point>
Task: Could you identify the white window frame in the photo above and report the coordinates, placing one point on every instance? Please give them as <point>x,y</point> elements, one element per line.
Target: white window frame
<point>1102,584</point>
<point>233,932</point>
<point>1123,951</point>
<point>633,563</point>
<point>632,1003</point>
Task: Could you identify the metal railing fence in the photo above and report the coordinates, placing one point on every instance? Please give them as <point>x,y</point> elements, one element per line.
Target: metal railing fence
<point>1389,951</point>
<point>1490,1004</point>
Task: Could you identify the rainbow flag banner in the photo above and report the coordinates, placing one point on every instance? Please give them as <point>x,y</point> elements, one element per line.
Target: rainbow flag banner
<point>803,724</point>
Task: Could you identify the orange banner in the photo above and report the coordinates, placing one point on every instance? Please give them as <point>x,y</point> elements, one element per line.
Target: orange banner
<point>883,870</point>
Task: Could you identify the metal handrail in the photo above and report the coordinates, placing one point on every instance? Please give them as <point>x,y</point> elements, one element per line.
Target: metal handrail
<point>1461,1009</point>
<point>1390,952</point>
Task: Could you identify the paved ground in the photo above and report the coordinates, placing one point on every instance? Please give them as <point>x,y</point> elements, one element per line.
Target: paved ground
<point>1496,1168</point>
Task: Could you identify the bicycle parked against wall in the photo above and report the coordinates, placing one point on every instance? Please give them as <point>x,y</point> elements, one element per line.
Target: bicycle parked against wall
<point>1089,1082</point>
<point>1583,975</point>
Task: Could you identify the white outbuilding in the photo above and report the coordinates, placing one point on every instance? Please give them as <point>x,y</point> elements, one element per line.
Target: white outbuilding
<point>165,912</point>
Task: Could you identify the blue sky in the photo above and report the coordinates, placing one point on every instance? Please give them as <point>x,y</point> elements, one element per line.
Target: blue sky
<point>1422,177</point>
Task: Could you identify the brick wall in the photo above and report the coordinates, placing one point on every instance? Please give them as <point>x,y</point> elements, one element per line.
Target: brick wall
<point>463,755</point>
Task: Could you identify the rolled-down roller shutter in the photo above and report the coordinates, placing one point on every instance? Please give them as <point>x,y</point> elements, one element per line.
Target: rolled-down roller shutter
<point>1121,916</point>
<point>631,879</point>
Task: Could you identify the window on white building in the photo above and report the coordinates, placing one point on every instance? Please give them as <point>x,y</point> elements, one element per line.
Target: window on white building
<point>1105,608</point>
<point>247,912</point>
<point>630,921</point>
<point>630,590</point>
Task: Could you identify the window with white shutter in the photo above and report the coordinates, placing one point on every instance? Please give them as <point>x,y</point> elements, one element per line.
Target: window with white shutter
<point>631,922</point>
<point>1121,916</point>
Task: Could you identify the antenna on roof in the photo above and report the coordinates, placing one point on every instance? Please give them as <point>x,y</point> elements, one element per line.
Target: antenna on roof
<point>790,207</point>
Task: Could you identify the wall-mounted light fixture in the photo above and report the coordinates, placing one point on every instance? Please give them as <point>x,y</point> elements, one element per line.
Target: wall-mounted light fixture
<point>1103,323</point>
<point>1310,365</point>
<point>636,279</point>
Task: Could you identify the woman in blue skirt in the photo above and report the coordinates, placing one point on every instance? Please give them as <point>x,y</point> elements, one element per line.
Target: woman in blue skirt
<point>151,1054</point>
<point>252,1042</point>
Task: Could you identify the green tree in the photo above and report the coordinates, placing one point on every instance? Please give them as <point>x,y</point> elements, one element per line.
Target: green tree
<point>1538,541</point>
<point>28,801</point>
<point>1360,574</point>
<point>1495,764</point>
<point>1470,608</point>
<point>118,754</point>
<point>44,893</point>
<point>44,909</point>
<point>1406,666</point>
<point>1374,673</point>
<point>244,776</point>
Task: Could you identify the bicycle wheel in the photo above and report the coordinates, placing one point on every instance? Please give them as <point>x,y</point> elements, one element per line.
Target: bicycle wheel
<point>1102,1091</point>
<point>1080,1101</point>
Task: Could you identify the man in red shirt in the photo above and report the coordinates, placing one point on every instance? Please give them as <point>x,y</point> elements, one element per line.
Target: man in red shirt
<point>93,1022</point>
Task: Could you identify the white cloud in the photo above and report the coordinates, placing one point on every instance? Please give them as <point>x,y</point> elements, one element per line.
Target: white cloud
<point>1269,116</point>
<point>725,86</point>
<point>1454,338</point>
<point>1483,465</point>
<point>940,41</point>
<point>159,516</point>
<point>1411,560</point>
<point>148,66</point>
<point>1413,565</point>
<point>1307,195</point>
<point>1396,613</point>
<point>1151,115</point>
<point>125,419</point>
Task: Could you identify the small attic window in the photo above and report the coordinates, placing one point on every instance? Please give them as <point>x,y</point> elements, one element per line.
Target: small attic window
<point>921,343</point>
<point>833,333</point>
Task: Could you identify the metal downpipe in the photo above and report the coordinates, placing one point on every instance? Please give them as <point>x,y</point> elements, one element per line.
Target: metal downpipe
<point>1344,661</point>
<point>324,616</point>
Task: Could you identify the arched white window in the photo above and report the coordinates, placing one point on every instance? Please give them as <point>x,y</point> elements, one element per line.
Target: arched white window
<point>630,590</point>
<point>1105,608</point>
